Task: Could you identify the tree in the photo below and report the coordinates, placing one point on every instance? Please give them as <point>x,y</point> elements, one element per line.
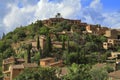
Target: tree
<point>78,72</point>
<point>20,32</point>
<point>38,43</point>
<point>39,23</point>
<point>3,36</point>
<point>63,43</point>
<point>99,74</point>
<point>15,38</point>
<point>68,48</point>
<point>41,73</point>
<point>48,47</point>
<point>4,45</point>
<point>8,52</point>
<point>43,30</point>
<point>29,47</point>
<point>78,53</point>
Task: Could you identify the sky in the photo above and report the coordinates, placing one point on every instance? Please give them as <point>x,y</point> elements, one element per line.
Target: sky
<point>16,13</point>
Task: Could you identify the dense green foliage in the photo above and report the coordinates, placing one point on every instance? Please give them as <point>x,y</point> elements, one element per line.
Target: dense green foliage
<point>78,51</point>
<point>38,43</point>
<point>37,74</point>
<point>78,72</point>
<point>48,47</point>
<point>99,74</point>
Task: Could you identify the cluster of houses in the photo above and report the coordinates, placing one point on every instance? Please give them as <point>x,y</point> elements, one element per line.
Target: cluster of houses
<point>89,28</point>
<point>13,66</point>
<point>113,40</point>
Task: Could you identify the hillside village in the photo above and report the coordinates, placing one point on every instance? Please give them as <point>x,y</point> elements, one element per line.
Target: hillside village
<point>64,44</point>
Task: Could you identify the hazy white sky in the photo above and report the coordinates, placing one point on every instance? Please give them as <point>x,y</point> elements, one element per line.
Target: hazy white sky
<point>14,13</point>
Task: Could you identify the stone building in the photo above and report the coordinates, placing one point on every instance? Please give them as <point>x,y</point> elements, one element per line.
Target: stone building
<point>12,67</point>
<point>96,29</point>
<point>6,66</point>
<point>15,70</point>
<point>58,18</point>
<point>50,62</point>
<point>112,33</point>
<point>115,55</point>
<point>42,40</point>
<point>111,43</point>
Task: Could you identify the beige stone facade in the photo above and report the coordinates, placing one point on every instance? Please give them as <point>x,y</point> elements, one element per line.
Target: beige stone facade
<point>112,33</point>
<point>115,54</point>
<point>111,43</point>
<point>44,62</point>
<point>42,40</point>
<point>12,67</point>
<point>106,45</point>
<point>96,29</point>
<point>50,62</point>
<point>54,21</point>
<point>7,63</point>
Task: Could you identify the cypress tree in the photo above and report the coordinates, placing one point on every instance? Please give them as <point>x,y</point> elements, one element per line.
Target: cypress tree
<point>38,43</point>
<point>78,53</point>
<point>38,46</point>
<point>29,47</point>
<point>3,36</point>
<point>63,43</point>
<point>68,50</point>
<point>48,47</point>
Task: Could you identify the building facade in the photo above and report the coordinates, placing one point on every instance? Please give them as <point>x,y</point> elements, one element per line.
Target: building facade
<point>50,62</point>
<point>12,67</point>
<point>112,33</point>
<point>111,43</point>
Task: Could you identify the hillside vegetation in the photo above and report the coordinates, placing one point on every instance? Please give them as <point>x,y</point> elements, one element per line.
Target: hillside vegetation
<point>77,48</point>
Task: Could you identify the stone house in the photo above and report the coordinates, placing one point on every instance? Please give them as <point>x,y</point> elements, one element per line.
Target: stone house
<point>111,43</point>
<point>115,54</point>
<point>96,29</point>
<point>58,18</point>
<point>15,70</point>
<point>112,33</point>
<point>6,66</point>
<point>115,59</point>
<point>50,62</point>
<point>12,67</point>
